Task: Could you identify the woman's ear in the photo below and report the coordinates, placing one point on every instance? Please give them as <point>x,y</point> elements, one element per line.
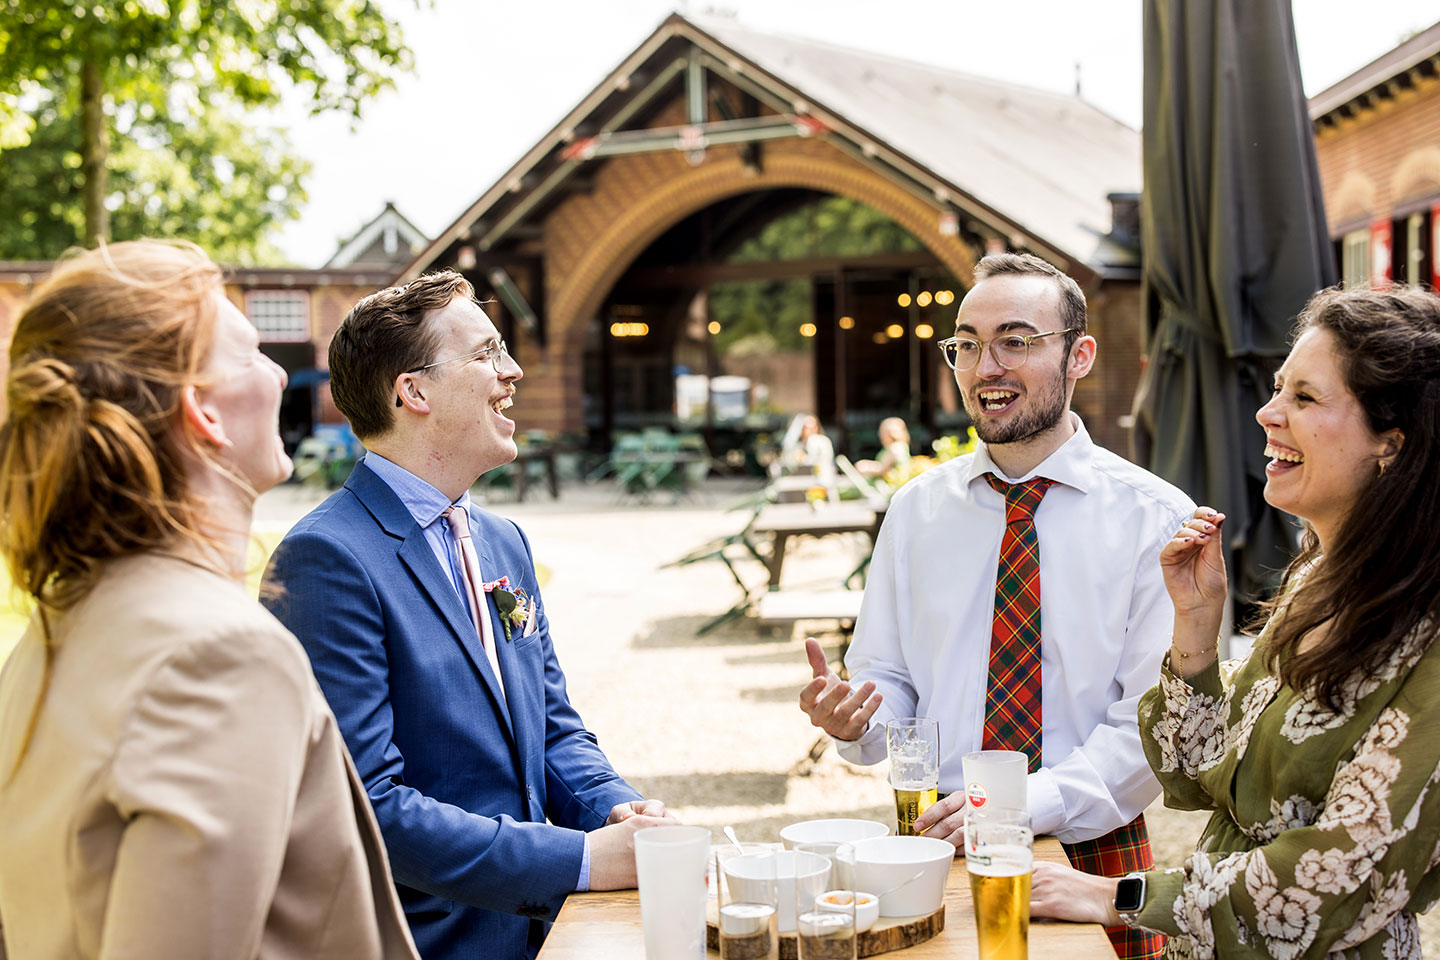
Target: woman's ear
<point>205,424</point>
<point>1391,442</point>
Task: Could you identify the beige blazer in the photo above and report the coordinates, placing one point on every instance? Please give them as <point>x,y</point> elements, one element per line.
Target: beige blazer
<point>185,793</point>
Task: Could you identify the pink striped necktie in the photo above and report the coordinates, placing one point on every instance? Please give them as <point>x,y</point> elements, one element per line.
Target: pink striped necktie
<point>459,522</point>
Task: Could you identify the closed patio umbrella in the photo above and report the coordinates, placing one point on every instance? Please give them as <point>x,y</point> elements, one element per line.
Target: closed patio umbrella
<point>1234,243</point>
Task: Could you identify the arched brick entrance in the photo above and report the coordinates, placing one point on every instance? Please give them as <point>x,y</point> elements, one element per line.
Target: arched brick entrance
<point>591,239</point>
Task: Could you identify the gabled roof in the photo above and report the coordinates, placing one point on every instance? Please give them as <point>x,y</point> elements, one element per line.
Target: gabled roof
<point>1022,162</point>
<point>389,239</point>
<point>1379,78</point>
<point>1045,161</point>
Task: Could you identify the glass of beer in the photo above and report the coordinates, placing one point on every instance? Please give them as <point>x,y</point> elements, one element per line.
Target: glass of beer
<point>999,855</point>
<point>913,744</point>
<point>747,903</point>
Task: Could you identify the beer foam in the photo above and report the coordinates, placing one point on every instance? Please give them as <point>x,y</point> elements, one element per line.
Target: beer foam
<point>1000,861</point>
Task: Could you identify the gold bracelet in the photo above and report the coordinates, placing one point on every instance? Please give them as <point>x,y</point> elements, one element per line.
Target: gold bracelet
<point>1186,656</point>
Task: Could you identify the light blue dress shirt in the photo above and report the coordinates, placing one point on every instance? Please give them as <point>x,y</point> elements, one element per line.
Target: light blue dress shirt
<point>428,505</point>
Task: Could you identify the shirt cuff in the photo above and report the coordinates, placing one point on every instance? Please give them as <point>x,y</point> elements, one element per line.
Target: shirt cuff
<point>1047,807</point>
<point>864,750</point>
<point>1206,681</point>
<point>1162,888</point>
<point>583,883</point>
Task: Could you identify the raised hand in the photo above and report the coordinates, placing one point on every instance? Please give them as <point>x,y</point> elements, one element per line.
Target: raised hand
<point>1193,564</point>
<point>829,701</point>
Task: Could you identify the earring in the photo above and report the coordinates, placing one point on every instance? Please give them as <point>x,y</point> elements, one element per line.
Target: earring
<point>400,403</point>
<point>1383,465</point>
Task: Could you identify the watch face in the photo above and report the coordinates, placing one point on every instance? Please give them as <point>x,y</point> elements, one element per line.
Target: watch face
<point>1130,895</point>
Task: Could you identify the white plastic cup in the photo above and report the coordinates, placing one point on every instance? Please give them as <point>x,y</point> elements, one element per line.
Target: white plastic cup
<point>670,866</point>
<point>995,778</point>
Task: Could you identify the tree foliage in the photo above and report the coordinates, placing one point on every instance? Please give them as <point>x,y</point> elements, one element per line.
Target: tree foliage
<point>763,316</point>
<point>175,154</point>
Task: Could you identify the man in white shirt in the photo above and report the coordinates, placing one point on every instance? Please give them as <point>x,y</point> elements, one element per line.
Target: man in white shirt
<point>938,634</point>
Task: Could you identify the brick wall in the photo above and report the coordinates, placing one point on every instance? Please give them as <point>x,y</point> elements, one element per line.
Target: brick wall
<point>1383,158</point>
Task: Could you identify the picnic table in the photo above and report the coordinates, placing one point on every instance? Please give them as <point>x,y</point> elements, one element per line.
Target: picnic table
<point>606,926</point>
<point>786,520</point>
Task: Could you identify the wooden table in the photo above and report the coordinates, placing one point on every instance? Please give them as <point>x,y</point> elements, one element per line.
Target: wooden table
<point>606,926</point>
<point>786,520</point>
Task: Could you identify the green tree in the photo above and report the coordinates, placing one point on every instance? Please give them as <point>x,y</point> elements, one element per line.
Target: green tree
<point>170,81</point>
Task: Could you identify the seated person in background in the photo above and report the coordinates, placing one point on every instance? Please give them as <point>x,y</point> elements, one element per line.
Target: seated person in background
<point>894,449</point>
<point>1317,753</point>
<point>814,453</point>
<point>172,783</point>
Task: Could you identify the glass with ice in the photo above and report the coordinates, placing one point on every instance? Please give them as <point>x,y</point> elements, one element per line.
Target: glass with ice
<point>913,744</point>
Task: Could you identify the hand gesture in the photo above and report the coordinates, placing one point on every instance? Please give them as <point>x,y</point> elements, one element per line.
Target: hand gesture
<point>829,701</point>
<point>1193,564</point>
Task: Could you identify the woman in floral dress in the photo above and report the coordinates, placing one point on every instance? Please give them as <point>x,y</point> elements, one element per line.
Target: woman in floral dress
<point>1318,753</point>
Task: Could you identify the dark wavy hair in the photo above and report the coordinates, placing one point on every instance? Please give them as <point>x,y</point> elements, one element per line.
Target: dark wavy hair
<point>1380,579</point>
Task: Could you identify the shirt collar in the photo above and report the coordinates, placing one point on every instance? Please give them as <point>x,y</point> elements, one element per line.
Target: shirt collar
<point>424,502</point>
<point>1073,464</point>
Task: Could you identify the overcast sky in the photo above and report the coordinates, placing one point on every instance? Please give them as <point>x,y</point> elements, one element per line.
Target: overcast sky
<point>493,76</point>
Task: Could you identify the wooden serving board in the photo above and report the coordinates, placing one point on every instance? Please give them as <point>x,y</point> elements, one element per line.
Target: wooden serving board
<point>888,933</point>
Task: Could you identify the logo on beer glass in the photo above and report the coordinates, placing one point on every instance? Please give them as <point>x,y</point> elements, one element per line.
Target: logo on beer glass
<point>975,793</point>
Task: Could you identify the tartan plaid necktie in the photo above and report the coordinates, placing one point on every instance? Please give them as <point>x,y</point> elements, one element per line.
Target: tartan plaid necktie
<point>1012,699</point>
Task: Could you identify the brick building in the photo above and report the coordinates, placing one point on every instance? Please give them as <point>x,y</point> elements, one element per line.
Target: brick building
<point>605,245</point>
<point>1377,136</point>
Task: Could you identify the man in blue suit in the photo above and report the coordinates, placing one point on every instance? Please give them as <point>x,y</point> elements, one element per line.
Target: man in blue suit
<point>424,622</point>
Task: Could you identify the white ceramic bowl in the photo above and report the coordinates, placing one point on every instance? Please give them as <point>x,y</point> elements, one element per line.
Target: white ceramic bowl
<point>831,831</point>
<point>867,908</point>
<point>887,862</point>
<point>805,873</point>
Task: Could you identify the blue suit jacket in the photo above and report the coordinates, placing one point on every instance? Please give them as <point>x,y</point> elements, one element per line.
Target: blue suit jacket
<point>461,784</point>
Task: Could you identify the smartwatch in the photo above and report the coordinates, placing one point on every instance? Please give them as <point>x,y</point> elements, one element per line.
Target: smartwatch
<point>1130,896</point>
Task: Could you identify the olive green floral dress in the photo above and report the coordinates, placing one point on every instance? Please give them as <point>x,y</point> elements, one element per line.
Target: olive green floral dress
<point>1325,826</point>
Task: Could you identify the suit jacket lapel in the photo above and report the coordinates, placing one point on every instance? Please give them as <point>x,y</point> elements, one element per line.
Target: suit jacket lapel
<point>417,556</point>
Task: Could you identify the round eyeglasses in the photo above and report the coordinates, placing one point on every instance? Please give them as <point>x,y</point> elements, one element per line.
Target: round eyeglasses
<point>1010,350</point>
<point>492,351</point>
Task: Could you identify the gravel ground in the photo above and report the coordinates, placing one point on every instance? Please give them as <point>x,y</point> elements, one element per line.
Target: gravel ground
<point>707,723</point>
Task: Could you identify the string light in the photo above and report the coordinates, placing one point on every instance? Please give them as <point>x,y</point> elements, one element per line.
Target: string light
<point>631,329</point>
<point>924,331</point>
<point>847,323</point>
<point>924,298</point>
<point>807,329</point>
<point>895,331</point>
<point>714,327</point>
<point>903,300</point>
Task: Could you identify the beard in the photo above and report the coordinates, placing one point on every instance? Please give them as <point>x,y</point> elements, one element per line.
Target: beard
<point>1045,409</point>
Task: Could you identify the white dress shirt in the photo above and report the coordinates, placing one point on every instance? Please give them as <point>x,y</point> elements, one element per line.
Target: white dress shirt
<point>923,635</point>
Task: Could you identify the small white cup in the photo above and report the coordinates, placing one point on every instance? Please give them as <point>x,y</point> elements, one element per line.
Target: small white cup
<point>670,867</point>
<point>797,874</point>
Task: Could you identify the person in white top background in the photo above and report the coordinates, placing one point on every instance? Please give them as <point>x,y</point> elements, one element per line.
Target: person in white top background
<point>963,622</point>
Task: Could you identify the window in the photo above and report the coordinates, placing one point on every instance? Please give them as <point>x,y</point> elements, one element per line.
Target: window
<point>280,315</point>
<point>1355,257</point>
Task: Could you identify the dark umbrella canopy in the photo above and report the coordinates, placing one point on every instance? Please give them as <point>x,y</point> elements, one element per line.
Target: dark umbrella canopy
<point>1234,242</point>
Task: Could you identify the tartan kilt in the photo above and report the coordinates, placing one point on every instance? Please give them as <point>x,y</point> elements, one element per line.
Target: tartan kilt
<point>1122,851</point>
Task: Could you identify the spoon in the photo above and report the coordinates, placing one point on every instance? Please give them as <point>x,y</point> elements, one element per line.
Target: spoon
<point>904,883</point>
<point>730,835</point>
